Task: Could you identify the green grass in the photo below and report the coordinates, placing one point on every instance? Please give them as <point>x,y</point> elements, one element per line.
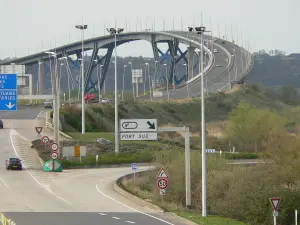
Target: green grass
<point>209,220</point>
<point>90,136</point>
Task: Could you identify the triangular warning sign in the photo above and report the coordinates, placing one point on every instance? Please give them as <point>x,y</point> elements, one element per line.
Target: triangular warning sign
<point>275,203</point>
<point>162,173</point>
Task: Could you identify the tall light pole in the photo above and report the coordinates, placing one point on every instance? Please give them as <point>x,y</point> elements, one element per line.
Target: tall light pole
<point>54,76</point>
<point>187,83</point>
<point>155,74</point>
<point>167,81</point>
<point>123,81</point>
<point>97,72</point>
<point>130,63</point>
<point>82,28</point>
<point>145,77</point>
<point>115,31</point>
<point>200,31</point>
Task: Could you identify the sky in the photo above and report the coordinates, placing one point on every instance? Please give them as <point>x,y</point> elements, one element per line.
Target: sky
<point>31,26</point>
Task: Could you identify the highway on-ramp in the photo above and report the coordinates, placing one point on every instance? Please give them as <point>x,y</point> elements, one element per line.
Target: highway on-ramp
<point>34,197</point>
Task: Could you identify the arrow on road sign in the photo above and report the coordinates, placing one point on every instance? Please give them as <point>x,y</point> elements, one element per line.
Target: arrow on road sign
<point>275,203</point>
<point>151,125</point>
<point>9,105</point>
<point>162,173</point>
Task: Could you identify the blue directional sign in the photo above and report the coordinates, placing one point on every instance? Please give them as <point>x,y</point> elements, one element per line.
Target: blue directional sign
<point>8,92</point>
<point>134,166</point>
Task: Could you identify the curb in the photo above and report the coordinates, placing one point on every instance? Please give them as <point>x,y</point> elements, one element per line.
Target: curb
<point>134,198</point>
<point>120,190</point>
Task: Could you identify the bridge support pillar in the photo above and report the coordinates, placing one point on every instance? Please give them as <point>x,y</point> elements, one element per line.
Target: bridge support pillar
<point>190,62</point>
<point>41,78</point>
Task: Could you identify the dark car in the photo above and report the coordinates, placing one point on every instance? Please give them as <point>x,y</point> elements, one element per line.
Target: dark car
<point>13,164</point>
<point>1,124</point>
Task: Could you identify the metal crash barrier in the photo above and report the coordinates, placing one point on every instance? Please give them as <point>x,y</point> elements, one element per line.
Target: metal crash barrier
<point>6,221</point>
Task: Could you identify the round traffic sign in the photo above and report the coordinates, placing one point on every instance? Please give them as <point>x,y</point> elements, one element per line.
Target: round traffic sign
<point>54,146</point>
<point>54,155</point>
<point>162,183</point>
<point>45,139</point>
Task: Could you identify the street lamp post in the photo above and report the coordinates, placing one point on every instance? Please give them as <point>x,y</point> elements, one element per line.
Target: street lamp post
<point>99,90</point>
<point>130,63</point>
<point>155,74</point>
<point>123,82</point>
<point>82,28</point>
<point>187,83</point>
<point>200,31</point>
<point>167,81</point>
<point>54,76</point>
<point>115,31</point>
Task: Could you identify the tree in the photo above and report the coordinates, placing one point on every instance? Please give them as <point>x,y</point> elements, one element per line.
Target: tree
<point>248,126</point>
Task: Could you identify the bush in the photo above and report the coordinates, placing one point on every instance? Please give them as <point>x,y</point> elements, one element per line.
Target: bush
<point>241,155</point>
<point>109,159</point>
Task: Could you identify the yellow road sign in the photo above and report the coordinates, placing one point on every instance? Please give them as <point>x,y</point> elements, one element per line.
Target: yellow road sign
<point>77,151</point>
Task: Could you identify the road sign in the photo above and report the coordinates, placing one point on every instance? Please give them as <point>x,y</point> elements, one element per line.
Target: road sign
<point>210,150</point>
<point>157,94</point>
<point>162,191</point>
<point>45,139</point>
<point>8,92</point>
<point>275,203</point>
<point>54,155</point>
<point>138,136</point>
<point>162,174</point>
<point>134,166</point>
<point>162,183</point>
<point>77,151</point>
<point>138,125</point>
<point>54,147</point>
<point>38,129</point>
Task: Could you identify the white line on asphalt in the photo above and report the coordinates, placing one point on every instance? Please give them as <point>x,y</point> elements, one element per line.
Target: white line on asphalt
<point>102,214</point>
<point>40,113</point>
<point>117,218</point>
<point>25,167</point>
<point>131,208</point>
<point>129,222</point>
<point>5,183</point>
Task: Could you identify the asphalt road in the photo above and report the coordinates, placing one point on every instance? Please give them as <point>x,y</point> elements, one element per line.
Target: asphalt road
<point>72,197</point>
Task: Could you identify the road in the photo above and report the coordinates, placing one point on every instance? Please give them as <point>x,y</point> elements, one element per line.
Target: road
<point>73,197</point>
<point>221,58</point>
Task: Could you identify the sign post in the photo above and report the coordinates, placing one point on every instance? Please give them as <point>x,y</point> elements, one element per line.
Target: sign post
<point>134,167</point>
<point>8,92</point>
<point>38,131</point>
<point>275,204</point>
<point>162,183</point>
<point>54,154</point>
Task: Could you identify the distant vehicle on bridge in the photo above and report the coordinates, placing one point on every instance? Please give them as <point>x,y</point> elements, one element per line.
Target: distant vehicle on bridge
<point>48,104</point>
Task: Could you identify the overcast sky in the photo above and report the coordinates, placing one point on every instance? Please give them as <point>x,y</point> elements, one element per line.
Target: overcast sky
<point>30,26</point>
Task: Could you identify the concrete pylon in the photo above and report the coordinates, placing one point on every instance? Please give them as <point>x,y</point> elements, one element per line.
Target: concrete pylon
<point>41,78</point>
<point>190,62</point>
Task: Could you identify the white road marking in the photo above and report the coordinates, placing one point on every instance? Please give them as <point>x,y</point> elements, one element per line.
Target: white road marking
<point>13,132</point>
<point>129,221</point>
<point>40,113</point>
<point>102,214</point>
<point>5,183</point>
<point>135,210</point>
<point>117,218</point>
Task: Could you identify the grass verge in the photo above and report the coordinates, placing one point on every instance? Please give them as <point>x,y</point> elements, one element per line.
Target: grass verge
<point>209,220</point>
<point>143,192</point>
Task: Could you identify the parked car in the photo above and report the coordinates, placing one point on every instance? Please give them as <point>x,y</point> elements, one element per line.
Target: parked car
<point>1,124</point>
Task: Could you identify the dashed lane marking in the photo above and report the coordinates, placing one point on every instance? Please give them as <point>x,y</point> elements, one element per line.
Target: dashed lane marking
<point>128,207</point>
<point>31,163</point>
<point>5,184</point>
